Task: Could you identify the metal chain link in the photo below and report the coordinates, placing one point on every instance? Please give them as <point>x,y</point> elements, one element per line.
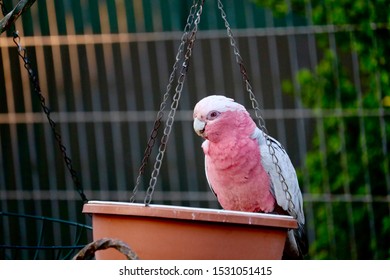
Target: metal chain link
<point>22,52</point>
<point>160,114</point>
<point>257,110</point>
<point>175,103</point>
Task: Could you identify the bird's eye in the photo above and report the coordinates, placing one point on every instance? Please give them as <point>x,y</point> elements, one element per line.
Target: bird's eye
<point>213,114</point>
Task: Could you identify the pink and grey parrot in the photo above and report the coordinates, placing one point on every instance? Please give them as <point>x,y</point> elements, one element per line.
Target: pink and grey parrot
<point>240,170</point>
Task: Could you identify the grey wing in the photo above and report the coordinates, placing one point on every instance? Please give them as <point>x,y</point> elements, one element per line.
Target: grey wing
<point>288,172</point>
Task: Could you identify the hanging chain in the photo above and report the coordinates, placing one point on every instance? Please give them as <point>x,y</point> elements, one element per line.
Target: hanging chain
<point>175,103</point>
<point>257,110</point>
<point>160,114</point>
<point>22,52</point>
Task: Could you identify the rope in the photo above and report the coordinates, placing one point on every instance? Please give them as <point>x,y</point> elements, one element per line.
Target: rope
<point>11,17</point>
<point>88,252</point>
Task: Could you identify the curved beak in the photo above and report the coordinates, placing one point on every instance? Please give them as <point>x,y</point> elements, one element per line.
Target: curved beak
<point>199,126</point>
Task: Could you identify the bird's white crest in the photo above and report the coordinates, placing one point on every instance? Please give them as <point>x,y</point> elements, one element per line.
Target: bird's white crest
<point>219,103</point>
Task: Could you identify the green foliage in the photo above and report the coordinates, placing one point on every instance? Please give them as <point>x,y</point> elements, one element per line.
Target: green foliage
<point>350,159</point>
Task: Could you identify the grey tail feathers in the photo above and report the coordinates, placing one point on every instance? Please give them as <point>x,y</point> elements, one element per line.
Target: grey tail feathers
<point>301,238</point>
<point>296,246</point>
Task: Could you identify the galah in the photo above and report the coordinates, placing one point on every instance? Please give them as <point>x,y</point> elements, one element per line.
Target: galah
<point>240,170</point>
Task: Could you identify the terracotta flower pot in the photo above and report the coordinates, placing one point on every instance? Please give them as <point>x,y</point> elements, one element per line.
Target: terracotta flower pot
<point>171,232</point>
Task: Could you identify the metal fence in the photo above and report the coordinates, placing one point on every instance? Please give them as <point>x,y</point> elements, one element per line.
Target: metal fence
<point>103,67</point>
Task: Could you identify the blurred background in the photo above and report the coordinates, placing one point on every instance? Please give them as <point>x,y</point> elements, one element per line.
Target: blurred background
<point>319,69</point>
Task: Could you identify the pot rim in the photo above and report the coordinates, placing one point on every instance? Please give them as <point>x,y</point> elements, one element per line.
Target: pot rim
<point>189,213</point>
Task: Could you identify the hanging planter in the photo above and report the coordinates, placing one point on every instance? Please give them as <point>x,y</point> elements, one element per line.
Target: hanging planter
<point>171,232</point>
